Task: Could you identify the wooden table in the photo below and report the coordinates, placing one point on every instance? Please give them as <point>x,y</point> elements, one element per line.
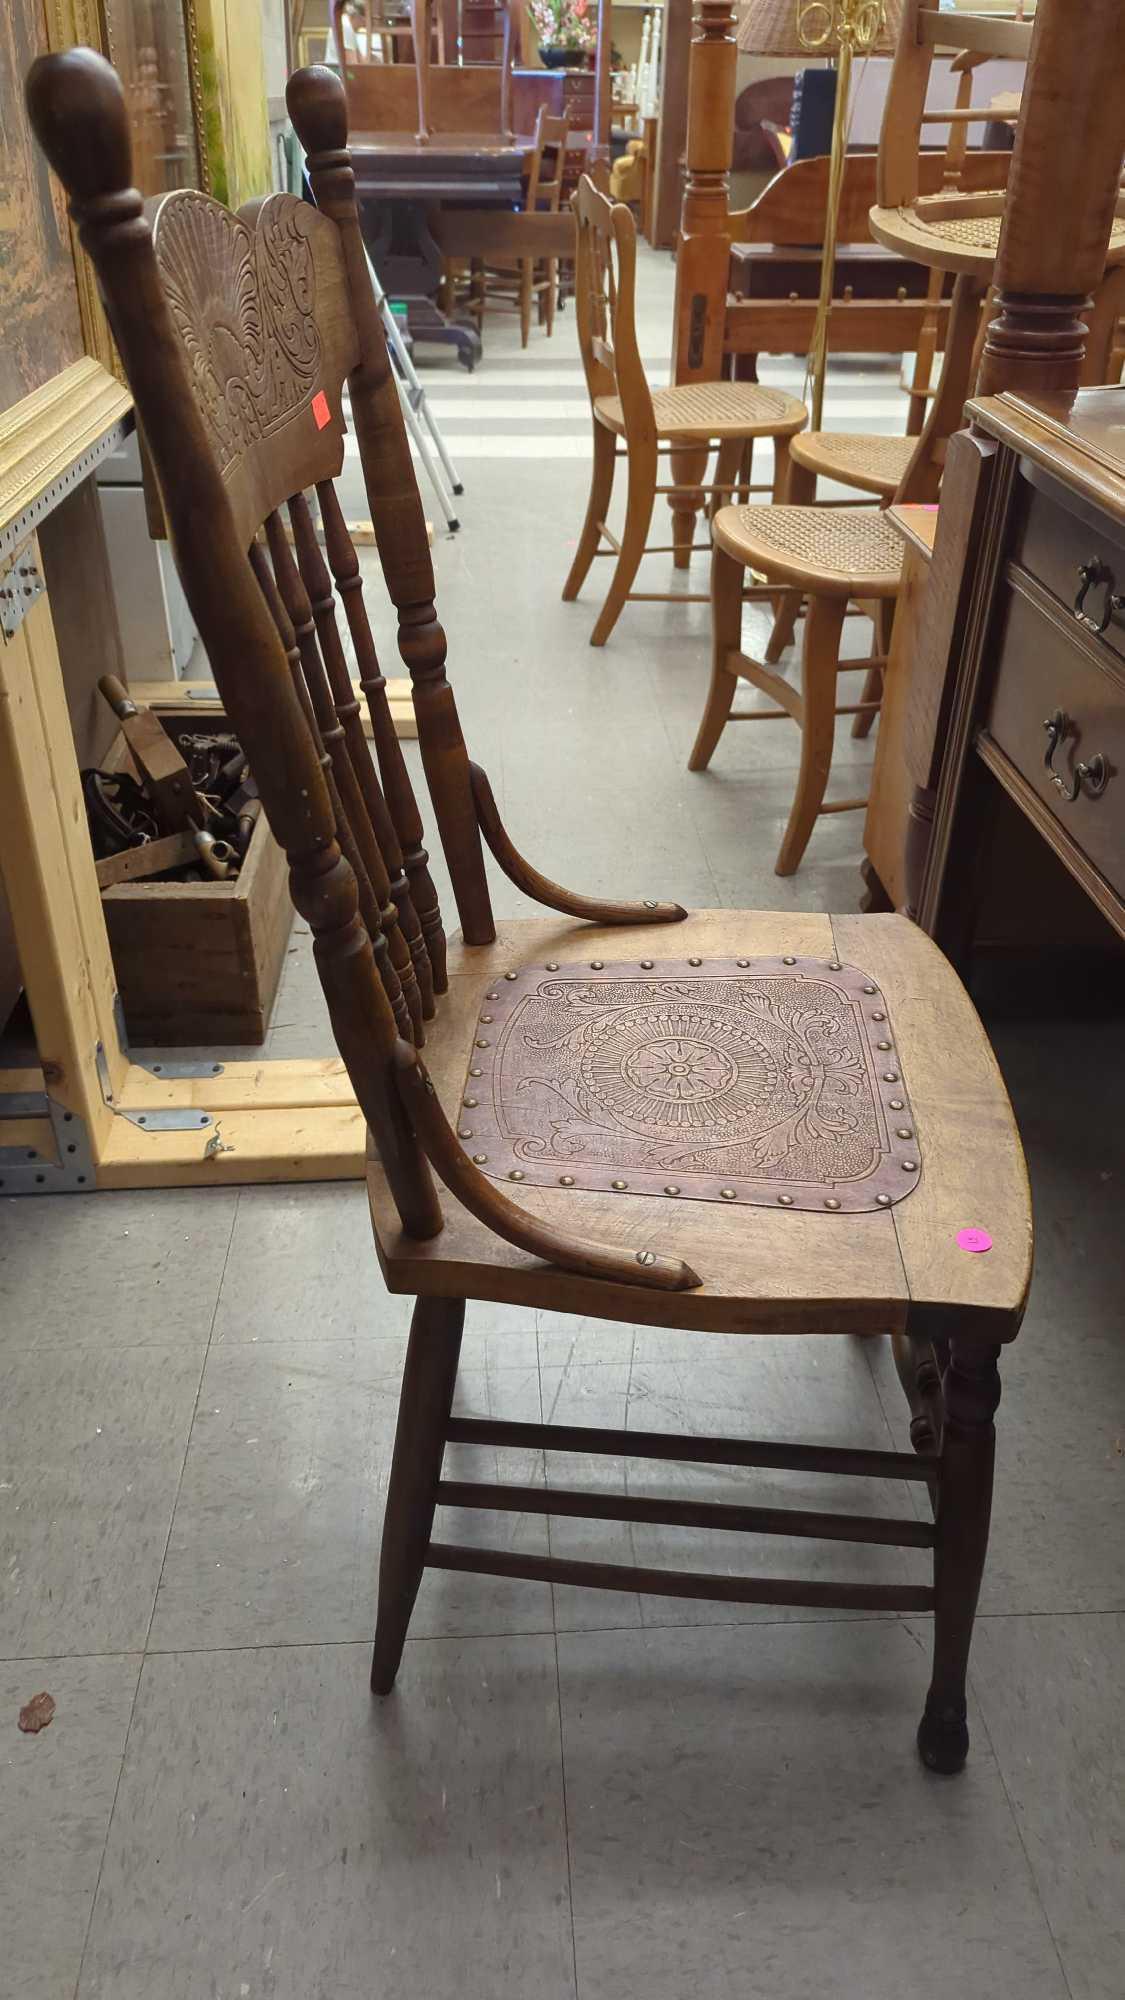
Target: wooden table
<point>992,818</point>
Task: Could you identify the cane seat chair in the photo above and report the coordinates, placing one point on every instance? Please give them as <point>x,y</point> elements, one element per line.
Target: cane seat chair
<point>650,424</point>
<point>735,1122</point>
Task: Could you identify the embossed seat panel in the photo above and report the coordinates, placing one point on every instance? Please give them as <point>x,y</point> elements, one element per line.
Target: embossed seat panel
<point>702,410</point>
<point>756,1080</point>
<point>766,1266</point>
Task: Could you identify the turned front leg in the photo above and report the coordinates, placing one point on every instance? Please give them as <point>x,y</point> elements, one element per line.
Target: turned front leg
<point>971,1393</point>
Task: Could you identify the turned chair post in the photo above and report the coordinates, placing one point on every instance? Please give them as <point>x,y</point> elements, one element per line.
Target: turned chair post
<point>316,103</point>
<point>971,1389</point>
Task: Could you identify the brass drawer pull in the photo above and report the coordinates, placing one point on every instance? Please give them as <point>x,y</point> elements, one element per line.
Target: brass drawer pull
<point>1092,776</point>
<point>1092,575</point>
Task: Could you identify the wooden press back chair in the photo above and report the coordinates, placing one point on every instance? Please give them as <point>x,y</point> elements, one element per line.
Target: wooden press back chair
<point>728,1122</point>
<point>521,282</point>
<point>650,423</point>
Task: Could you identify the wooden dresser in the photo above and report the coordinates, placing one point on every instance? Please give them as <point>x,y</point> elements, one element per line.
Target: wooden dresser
<point>1012,687</point>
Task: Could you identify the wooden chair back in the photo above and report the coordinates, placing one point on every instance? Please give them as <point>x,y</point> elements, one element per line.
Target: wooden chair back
<point>924,30</point>
<point>444,89</point>
<point>239,335</point>
<point>791,208</point>
<point>378,31</point>
<point>548,164</point>
<point>605,303</point>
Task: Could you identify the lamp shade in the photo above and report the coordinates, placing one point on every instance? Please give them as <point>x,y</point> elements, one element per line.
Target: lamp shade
<point>769,27</point>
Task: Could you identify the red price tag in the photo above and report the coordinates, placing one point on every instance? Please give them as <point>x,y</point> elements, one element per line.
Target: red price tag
<point>320,410</point>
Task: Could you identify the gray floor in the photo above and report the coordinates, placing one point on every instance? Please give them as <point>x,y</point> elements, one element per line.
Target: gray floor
<point>612,1797</point>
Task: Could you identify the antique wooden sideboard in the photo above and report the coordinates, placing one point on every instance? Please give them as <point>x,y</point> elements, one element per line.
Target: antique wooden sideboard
<point>1015,696</point>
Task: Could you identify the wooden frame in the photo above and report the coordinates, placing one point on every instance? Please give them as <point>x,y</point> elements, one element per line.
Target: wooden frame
<point>71,1124</point>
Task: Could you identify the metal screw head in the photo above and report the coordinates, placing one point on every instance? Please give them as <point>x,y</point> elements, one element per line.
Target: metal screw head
<point>897,1104</point>
<point>727,1194</point>
<point>871,989</point>
<point>464,1131</point>
<point>511,975</point>
<point>649,904</point>
<point>671,1188</point>
<point>646,1257</point>
<point>492,996</point>
<point>878,1017</point>
<point>884,1045</point>
<point>834,965</point>
<point>788,961</point>
<point>516,1174</point>
<point>883,1200</point>
<point>486,1018</point>
<point>552,965</point>
<point>619,1186</point>
<point>646,965</point>
<point>472,1102</point>
<point>695,961</point>
<point>566,1180</point>
<point>786,1200</point>
<point>831,1201</point>
<point>910,1166</point>
<point>904,1132</point>
<point>597,965</point>
<point>483,1042</point>
<point>743,962</point>
<point>479,1159</point>
<point>476,1072</point>
<point>890,1076</point>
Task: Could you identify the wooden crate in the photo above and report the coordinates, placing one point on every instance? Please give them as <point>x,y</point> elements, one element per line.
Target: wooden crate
<point>200,962</point>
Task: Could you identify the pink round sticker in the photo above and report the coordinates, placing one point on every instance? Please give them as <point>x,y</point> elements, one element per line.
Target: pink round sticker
<point>974,1240</point>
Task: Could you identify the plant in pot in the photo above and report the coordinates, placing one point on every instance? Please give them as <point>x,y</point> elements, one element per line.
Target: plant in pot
<point>567,31</point>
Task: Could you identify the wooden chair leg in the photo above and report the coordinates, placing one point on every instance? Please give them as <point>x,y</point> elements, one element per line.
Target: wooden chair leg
<point>597,507</point>
<point>972,1392</point>
<point>819,658</point>
<point>428,1382</point>
<point>793,486</point>
<point>727,461</point>
<point>745,472</point>
<point>883,615</point>
<point>478,287</point>
<point>726,638</point>
<point>638,514</point>
<point>688,464</point>
<point>526,269</point>
<point>550,296</point>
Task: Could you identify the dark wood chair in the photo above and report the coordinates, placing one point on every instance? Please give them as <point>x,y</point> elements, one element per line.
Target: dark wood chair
<point>730,1122</point>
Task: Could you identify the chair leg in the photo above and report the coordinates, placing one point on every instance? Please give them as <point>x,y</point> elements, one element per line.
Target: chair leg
<point>428,1381</point>
<point>550,296</point>
<point>972,1392</point>
<point>597,507</point>
<point>819,658</point>
<point>745,472</point>
<point>727,461</point>
<point>872,691</point>
<point>874,680</point>
<point>726,638</point>
<point>793,486</point>
<point>638,515</point>
<point>526,268</point>
<point>688,465</point>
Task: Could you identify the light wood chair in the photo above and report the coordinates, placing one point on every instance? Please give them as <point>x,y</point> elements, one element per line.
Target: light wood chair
<point>519,285</point>
<point>730,1122</point>
<point>651,424</point>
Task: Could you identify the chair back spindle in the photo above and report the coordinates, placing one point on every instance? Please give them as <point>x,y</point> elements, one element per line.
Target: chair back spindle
<point>605,305</point>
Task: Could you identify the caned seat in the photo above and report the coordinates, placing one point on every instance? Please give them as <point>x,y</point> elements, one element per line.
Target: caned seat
<point>651,423</point>
<point>870,463</point>
<point>834,551</point>
<point>699,412</point>
<point>747,1123</point>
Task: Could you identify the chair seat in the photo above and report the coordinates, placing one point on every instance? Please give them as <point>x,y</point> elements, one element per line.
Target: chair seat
<point>930,234</point>
<point>636,1075</point>
<point>873,464</point>
<point>697,411</point>
<point>839,551</point>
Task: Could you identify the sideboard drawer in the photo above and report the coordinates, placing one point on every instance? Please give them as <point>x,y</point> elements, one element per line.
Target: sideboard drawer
<point>1048,667</point>
<point>1058,545</point>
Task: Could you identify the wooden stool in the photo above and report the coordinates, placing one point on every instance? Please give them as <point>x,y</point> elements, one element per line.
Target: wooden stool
<point>832,555</point>
<point>728,415</point>
<point>736,1122</point>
